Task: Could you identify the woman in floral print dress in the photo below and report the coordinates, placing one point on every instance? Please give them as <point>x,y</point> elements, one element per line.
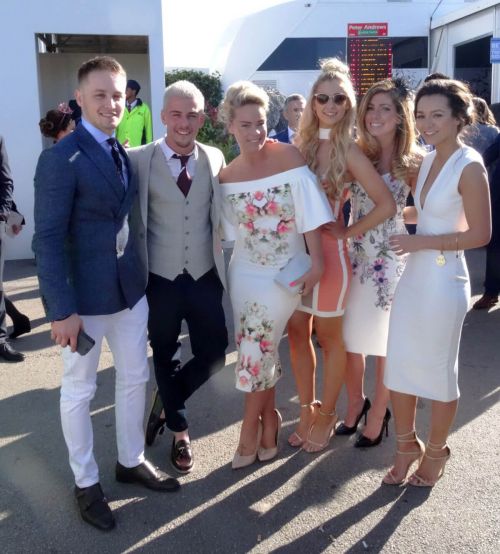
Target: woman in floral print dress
<point>386,135</point>
<point>271,202</point>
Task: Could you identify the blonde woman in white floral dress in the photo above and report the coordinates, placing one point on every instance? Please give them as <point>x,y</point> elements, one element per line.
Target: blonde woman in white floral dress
<point>271,202</point>
<point>386,135</point>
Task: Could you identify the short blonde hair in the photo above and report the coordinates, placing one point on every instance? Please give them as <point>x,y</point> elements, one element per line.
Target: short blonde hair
<point>241,94</point>
<point>184,89</point>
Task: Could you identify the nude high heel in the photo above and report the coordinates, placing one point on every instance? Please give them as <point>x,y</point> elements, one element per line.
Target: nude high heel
<point>295,439</point>
<point>240,461</point>
<point>414,455</point>
<point>266,454</point>
<point>312,446</point>
<point>416,480</point>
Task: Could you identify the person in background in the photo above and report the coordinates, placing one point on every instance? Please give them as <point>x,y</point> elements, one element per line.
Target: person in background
<point>292,112</point>
<point>432,297</point>
<point>325,139</point>
<point>491,158</point>
<point>57,123</point>
<point>484,130</point>
<point>136,126</point>
<point>386,134</point>
<point>7,353</point>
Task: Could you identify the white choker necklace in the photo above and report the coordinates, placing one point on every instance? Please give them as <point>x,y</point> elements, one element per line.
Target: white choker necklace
<point>324,134</point>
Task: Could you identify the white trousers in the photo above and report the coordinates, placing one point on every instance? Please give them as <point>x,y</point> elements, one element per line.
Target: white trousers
<point>126,333</point>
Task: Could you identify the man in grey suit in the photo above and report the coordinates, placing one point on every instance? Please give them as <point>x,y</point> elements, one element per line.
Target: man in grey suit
<point>91,279</point>
<point>177,224</point>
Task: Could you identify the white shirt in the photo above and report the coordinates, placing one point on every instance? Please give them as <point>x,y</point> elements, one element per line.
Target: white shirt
<point>174,164</point>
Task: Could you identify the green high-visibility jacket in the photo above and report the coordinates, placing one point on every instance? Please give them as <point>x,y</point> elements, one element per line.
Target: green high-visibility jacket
<point>136,125</point>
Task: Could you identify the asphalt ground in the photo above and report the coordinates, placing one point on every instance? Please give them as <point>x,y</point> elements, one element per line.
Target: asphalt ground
<point>329,502</point>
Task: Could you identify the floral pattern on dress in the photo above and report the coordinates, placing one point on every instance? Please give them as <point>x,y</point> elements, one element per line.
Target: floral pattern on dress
<point>267,218</point>
<point>258,366</point>
<point>371,257</point>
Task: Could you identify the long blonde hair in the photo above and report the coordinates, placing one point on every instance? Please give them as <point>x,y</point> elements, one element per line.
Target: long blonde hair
<point>406,152</point>
<point>341,134</point>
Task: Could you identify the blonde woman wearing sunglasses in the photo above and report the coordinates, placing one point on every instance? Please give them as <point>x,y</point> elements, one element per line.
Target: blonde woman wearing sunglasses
<point>325,139</point>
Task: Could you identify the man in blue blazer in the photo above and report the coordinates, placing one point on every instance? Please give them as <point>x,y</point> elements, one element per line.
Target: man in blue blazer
<point>292,112</point>
<point>91,279</point>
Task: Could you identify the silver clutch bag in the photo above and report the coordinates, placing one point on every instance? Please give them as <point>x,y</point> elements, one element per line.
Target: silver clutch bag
<point>295,268</point>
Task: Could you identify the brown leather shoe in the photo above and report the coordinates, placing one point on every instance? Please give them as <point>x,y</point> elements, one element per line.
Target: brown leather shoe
<point>181,456</point>
<point>486,302</point>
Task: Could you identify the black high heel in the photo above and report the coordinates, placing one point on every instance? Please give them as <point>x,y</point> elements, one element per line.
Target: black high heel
<point>365,442</point>
<point>343,429</point>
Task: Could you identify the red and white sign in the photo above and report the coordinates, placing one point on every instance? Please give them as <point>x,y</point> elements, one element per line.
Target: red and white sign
<point>367,29</point>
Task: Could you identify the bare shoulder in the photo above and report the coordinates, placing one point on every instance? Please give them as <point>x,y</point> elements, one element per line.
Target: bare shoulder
<point>355,153</point>
<point>229,173</point>
<point>472,173</point>
<point>286,156</point>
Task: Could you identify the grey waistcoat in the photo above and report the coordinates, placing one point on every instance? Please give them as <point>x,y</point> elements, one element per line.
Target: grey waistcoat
<point>179,228</point>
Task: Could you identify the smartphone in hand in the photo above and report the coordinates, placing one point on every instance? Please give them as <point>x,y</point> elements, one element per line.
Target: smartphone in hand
<point>84,343</point>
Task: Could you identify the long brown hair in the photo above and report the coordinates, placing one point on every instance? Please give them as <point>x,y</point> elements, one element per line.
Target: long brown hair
<point>406,151</point>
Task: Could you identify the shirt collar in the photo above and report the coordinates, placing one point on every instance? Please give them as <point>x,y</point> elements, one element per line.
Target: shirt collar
<point>169,152</point>
<point>99,135</point>
<point>291,132</point>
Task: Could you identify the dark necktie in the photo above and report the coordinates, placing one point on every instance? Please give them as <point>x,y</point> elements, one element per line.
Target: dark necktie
<point>115,152</point>
<point>184,180</point>
<point>129,107</point>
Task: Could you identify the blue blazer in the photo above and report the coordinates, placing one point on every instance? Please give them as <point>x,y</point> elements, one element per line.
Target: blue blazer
<point>283,136</point>
<point>87,262</point>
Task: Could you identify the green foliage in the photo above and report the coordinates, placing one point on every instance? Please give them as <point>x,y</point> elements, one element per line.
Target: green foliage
<point>212,132</point>
<point>209,84</point>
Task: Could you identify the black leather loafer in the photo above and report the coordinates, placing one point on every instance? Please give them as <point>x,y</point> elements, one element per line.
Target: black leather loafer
<point>94,507</point>
<point>181,456</point>
<point>8,354</point>
<point>148,475</point>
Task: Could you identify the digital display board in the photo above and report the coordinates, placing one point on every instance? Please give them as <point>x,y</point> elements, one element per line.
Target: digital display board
<point>370,60</point>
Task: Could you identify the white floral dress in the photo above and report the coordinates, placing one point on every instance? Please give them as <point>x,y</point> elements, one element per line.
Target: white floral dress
<point>266,218</point>
<point>375,273</point>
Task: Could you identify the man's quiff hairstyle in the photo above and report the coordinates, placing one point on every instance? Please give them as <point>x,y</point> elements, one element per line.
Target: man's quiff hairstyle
<point>100,63</point>
<point>184,89</point>
<point>293,98</point>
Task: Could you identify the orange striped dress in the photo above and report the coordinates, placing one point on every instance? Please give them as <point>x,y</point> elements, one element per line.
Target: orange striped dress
<point>328,297</point>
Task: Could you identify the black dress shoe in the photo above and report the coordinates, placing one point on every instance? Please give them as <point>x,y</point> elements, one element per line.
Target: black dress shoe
<point>94,507</point>
<point>181,456</point>
<point>343,429</point>
<point>365,442</point>
<point>156,423</point>
<point>8,354</point>
<point>22,325</point>
<point>148,475</point>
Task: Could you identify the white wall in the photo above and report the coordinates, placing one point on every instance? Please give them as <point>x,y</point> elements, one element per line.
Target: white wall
<point>453,33</point>
<point>20,91</point>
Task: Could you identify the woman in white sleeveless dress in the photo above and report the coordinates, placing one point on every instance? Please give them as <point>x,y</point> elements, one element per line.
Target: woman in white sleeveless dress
<point>271,202</point>
<point>386,134</point>
<point>452,214</point>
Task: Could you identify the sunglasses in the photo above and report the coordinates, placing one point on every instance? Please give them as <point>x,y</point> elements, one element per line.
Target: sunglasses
<point>338,99</point>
